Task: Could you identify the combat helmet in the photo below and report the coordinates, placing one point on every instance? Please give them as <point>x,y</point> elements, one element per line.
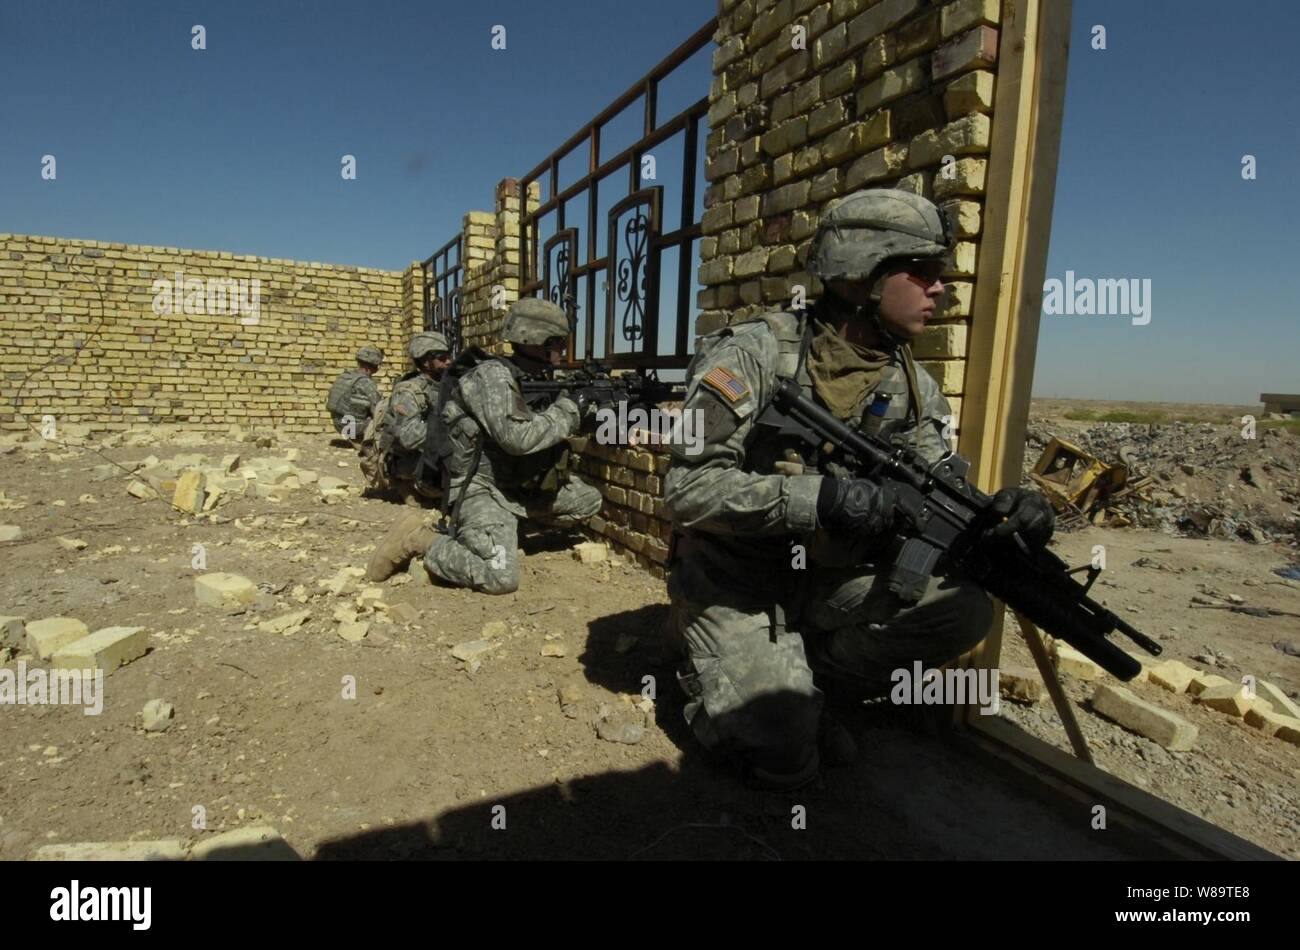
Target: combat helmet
<point>861,231</point>
<point>430,341</point>
<point>533,321</point>
<point>370,355</point>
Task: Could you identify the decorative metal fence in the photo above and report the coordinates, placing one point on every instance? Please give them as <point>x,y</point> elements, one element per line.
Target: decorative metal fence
<point>605,269</point>
<point>441,278</point>
<point>631,326</point>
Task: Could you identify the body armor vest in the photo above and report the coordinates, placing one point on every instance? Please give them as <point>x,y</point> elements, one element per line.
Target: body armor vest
<point>883,410</point>
<point>461,444</point>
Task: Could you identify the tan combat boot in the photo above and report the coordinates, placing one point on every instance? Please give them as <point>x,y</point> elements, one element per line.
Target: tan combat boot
<point>408,538</point>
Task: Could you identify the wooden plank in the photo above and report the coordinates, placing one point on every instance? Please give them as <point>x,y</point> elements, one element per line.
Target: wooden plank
<point>1140,820</point>
<point>1028,105</point>
<point>1024,148</point>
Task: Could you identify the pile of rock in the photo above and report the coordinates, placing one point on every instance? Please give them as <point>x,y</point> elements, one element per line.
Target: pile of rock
<point>197,483</point>
<point>1204,479</point>
<point>66,643</point>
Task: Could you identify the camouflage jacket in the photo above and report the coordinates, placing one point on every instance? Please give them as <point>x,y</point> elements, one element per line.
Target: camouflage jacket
<point>524,453</point>
<point>414,397</point>
<point>353,394</point>
<point>741,503</point>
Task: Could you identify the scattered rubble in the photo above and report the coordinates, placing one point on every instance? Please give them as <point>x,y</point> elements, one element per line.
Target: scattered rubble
<point>156,715</point>
<point>48,635</point>
<point>1200,479</point>
<point>220,589</point>
<point>105,650</point>
<point>623,725</point>
<point>286,623</point>
<point>1162,727</point>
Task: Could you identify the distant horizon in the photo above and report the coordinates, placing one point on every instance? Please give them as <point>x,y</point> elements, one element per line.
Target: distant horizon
<point>1151,402</point>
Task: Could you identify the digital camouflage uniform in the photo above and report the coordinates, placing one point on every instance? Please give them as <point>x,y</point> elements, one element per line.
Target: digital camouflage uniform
<point>521,471</point>
<point>748,611</point>
<point>414,398</point>
<point>394,443</point>
<point>355,395</point>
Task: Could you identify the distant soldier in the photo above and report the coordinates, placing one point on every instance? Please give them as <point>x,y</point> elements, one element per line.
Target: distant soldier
<point>393,446</point>
<point>503,461</point>
<point>354,396</point>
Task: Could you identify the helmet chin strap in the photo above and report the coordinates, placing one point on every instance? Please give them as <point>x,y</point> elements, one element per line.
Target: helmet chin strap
<point>869,313</point>
<point>527,363</point>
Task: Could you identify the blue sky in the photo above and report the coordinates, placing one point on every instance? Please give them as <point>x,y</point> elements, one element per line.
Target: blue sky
<point>237,148</point>
<point>1149,186</point>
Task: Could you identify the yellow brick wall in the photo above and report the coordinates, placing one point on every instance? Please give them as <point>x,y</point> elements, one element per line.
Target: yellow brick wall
<point>83,341</point>
<point>880,92</point>
<point>490,260</point>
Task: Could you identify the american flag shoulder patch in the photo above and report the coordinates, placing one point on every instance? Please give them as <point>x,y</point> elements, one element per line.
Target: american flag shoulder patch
<point>725,384</point>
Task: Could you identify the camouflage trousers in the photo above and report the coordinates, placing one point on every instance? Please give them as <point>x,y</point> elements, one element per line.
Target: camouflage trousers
<point>748,680</point>
<point>484,553</point>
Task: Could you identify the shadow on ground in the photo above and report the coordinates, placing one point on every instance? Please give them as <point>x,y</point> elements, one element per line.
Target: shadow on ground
<point>911,796</point>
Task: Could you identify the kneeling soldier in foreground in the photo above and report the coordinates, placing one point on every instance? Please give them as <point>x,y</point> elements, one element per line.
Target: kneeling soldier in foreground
<point>781,557</point>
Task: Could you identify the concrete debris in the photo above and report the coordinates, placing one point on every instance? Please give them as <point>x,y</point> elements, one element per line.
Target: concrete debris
<point>591,552</point>
<point>1069,660</point>
<point>257,843</point>
<point>1231,699</point>
<point>471,650</point>
<point>286,623</point>
<point>156,715</point>
<point>105,649</point>
<point>52,633</point>
<point>169,849</point>
<point>403,613</point>
<point>624,725</point>
<point>189,494</point>
<point>342,582</point>
<point>220,589</point>
<point>354,631</point>
<point>1162,727</point>
<point>1172,675</point>
<point>1021,683</point>
<point>1198,479</point>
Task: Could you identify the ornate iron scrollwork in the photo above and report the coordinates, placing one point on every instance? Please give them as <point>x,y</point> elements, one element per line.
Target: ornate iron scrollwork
<point>454,336</point>
<point>634,266</point>
<point>561,250</point>
<point>559,288</point>
<point>631,286</point>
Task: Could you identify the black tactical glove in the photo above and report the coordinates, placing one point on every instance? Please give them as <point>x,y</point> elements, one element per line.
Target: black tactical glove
<point>1027,513</point>
<point>856,504</point>
<point>588,401</point>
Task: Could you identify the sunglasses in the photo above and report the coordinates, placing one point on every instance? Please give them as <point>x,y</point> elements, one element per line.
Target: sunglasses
<point>923,271</point>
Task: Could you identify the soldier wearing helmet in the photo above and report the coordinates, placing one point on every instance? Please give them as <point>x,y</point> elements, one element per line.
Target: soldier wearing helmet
<point>502,460</point>
<point>353,396</point>
<point>774,575</point>
<point>392,448</point>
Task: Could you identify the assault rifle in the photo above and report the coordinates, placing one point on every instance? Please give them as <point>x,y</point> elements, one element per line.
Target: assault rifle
<point>944,521</point>
<point>633,388</point>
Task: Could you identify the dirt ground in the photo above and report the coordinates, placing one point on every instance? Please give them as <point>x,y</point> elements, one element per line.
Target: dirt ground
<point>415,763</point>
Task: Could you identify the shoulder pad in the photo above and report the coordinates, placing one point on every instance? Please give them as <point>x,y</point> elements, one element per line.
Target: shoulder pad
<point>788,328</point>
